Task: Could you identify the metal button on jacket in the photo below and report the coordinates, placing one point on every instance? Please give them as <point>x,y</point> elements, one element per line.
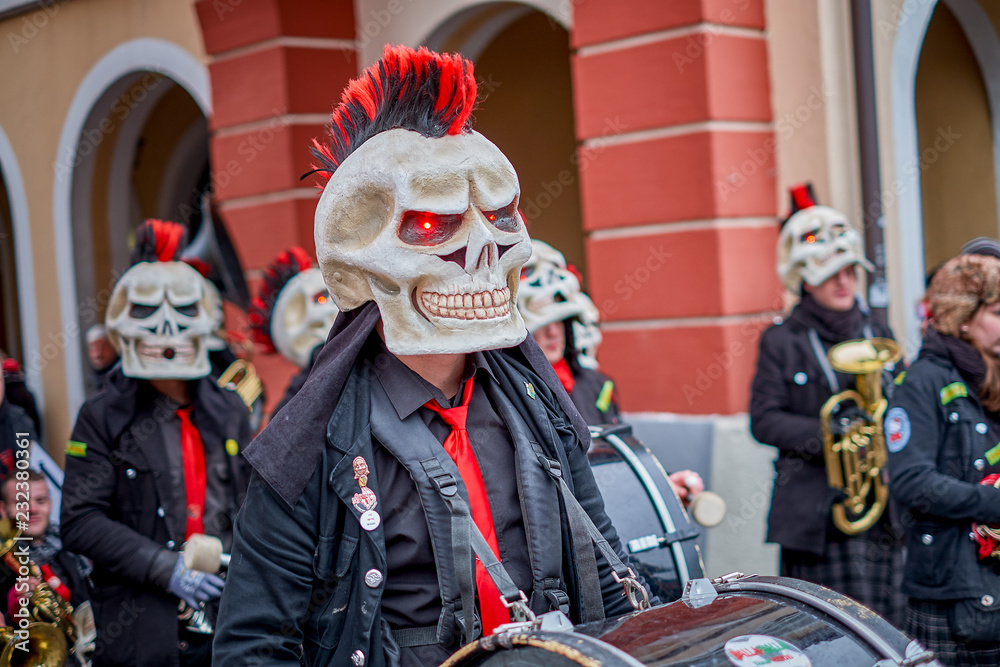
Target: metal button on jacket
<point>953,417</point>
<point>373,578</point>
<point>171,544</point>
<point>130,473</point>
<point>358,658</point>
<point>979,464</point>
<point>160,512</point>
<point>987,600</point>
<point>927,539</point>
<point>800,378</point>
<point>981,428</point>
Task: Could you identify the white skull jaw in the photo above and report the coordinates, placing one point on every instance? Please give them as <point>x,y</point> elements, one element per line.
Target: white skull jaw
<point>302,316</point>
<point>429,230</point>
<point>158,319</point>
<point>815,244</point>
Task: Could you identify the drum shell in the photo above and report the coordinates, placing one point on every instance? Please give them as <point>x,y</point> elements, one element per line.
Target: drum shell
<point>821,628</point>
<point>644,509</point>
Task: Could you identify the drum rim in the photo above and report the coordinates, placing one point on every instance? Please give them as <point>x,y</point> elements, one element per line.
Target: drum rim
<point>545,640</point>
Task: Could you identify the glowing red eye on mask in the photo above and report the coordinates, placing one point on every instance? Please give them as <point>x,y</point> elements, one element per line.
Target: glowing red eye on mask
<point>321,297</point>
<point>426,228</point>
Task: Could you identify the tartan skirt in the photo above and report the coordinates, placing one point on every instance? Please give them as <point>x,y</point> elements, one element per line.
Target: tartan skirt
<point>867,567</point>
<point>927,621</point>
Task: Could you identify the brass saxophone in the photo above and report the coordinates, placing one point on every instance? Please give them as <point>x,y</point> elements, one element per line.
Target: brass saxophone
<point>855,460</point>
<point>52,630</point>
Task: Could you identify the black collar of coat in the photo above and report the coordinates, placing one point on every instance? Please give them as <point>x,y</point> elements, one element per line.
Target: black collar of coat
<point>285,453</point>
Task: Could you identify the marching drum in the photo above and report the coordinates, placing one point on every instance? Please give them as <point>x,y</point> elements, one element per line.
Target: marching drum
<point>651,521</point>
<point>741,621</point>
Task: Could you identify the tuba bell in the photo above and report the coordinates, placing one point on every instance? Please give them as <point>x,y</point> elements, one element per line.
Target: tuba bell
<point>855,451</point>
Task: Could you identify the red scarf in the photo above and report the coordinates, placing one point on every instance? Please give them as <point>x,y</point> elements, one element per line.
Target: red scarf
<point>565,375</point>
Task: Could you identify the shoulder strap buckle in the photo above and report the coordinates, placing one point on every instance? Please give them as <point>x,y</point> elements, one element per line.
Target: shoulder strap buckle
<point>519,610</point>
<point>634,591</point>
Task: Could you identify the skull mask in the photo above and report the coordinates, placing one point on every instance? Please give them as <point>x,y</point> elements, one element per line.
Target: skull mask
<point>429,229</point>
<point>158,319</point>
<point>550,292</point>
<point>815,244</point>
<point>302,316</point>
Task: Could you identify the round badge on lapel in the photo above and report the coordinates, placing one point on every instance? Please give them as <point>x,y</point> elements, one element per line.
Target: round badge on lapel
<point>800,378</point>
<point>370,520</point>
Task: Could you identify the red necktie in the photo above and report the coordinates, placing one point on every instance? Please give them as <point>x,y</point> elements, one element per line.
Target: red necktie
<point>193,451</point>
<point>491,609</point>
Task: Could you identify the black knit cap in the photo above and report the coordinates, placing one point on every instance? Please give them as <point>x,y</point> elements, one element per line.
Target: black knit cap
<point>982,245</point>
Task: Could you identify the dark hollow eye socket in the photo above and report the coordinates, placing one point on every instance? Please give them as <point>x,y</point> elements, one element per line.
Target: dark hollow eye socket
<point>190,310</point>
<point>140,311</point>
<point>505,219</point>
<point>427,229</point>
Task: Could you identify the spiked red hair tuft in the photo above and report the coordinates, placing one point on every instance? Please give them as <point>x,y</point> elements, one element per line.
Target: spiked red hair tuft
<point>159,241</point>
<point>420,90</point>
<point>284,267</point>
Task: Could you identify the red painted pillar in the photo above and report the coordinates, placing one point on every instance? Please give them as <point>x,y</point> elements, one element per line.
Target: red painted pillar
<point>678,195</point>
<point>277,70</point>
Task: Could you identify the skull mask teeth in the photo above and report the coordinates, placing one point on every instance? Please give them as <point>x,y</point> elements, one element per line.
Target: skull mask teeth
<point>815,244</point>
<point>429,230</point>
<point>302,316</point>
<point>159,319</point>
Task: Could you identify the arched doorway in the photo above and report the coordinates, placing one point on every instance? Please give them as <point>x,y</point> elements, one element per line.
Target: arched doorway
<point>143,154</point>
<point>134,145</point>
<point>522,58</point>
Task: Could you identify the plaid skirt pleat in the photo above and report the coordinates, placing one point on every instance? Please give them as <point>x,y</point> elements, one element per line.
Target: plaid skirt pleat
<point>927,621</point>
<point>867,567</point>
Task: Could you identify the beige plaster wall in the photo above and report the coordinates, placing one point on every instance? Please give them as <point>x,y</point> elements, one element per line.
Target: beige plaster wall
<point>44,56</point>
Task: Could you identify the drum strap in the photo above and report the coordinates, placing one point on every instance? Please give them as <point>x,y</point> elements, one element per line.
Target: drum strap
<point>576,515</point>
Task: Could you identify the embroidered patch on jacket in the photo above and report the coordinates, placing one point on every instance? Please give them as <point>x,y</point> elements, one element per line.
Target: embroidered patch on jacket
<point>604,398</point>
<point>899,379</point>
<point>232,447</point>
<point>897,429</point>
<point>993,455</point>
<point>75,448</point>
<point>952,391</point>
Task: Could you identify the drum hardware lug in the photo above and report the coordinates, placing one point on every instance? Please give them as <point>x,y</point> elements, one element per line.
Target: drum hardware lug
<point>699,593</point>
<point>552,621</point>
<point>634,591</point>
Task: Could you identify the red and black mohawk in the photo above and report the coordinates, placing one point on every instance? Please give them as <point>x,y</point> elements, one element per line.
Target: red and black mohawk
<point>284,267</point>
<point>158,241</point>
<point>420,90</point>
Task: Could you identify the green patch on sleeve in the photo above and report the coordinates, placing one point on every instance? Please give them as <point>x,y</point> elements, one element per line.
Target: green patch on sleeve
<point>953,391</point>
<point>232,447</point>
<point>993,456</point>
<point>899,379</point>
<point>604,398</point>
<point>75,448</point>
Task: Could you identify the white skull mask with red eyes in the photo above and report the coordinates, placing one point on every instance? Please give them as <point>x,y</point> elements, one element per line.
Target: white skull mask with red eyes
<point>302,316</point>
<point>429,230</point>
<point>159,320</point>
<point>815,244</point>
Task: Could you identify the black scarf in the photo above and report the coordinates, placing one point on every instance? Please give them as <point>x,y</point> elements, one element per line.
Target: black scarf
<point>832,325</point>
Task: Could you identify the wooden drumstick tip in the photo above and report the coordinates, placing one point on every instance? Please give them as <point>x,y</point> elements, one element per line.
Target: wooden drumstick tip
<point>708,509</point>
<point>203,553</point>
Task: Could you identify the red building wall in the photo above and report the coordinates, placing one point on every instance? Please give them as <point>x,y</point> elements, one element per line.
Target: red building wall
<point>678,193</point>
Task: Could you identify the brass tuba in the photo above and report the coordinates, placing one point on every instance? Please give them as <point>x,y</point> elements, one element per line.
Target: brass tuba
<point>856,459</point>
<point>51,631</point>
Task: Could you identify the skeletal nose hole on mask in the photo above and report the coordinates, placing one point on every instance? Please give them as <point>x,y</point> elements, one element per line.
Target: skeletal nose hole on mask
<point>458,257</point>
<point>501,249</point>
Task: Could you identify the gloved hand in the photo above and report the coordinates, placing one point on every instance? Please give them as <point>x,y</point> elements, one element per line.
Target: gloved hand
<point>842,421</point>
<point>192,586</point>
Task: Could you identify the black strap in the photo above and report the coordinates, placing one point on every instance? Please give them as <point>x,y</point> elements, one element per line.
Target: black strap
<point>824,361</point>
<point>461,528</point>
<point>576,515</point>
<point>465,532</point>
<point>407,637</point>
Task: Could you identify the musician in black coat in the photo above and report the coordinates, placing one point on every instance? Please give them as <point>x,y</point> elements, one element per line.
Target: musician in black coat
<point>792,383</point>
<point>153,459</point>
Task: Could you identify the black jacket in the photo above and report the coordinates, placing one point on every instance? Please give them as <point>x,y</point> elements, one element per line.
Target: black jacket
<point>937,455</point>
<point>119,509</point>
<point>788,391</point>
<point>594,395</point>
<point>298,582</point>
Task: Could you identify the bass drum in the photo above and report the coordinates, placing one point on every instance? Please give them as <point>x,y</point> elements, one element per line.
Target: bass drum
<point>734,621</point>
<point>651,522</point>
